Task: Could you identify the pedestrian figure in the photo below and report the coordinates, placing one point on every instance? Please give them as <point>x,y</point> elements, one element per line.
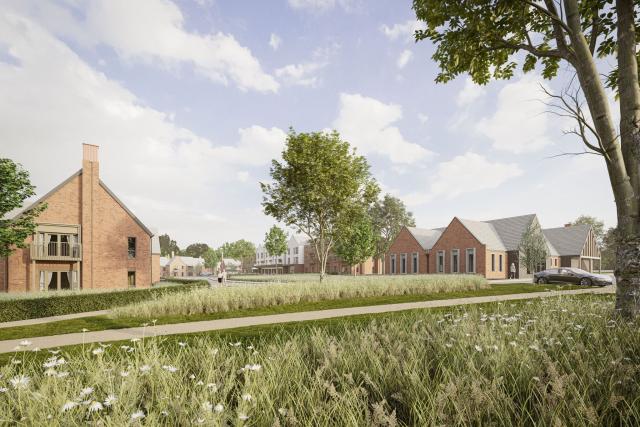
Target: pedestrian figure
<point>220,277</point>
<point>513,270</point>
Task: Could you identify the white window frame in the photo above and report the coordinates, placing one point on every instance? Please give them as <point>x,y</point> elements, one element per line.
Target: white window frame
<point>455,264</point>
<point>415,263</point>
<point>439,264</point>
<point>403,263</point>
<point>473,267</point>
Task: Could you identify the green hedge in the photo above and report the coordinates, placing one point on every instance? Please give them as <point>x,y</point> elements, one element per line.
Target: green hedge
<point>21,309</point>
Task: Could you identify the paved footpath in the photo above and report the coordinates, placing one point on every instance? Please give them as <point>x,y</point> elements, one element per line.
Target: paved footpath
<point>213,325</point>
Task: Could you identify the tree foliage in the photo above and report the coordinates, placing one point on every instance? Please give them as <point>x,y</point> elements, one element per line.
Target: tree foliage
<point>196,250</point>
<point>596,224</point>
<point>533,248</point>
<point>388,216</point>
<point>357,242</point>
<point>320,185</point>
<point>275,241</point>
<point>597,40</point>
<point>212,257</point>
<point>15,188</point>
<point>168,246</point>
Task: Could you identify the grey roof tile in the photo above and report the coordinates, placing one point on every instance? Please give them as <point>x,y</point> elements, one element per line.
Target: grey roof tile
<point>485,233</point>
<point>568,240</point>
<point>426,237</point>
<point>510,230</point>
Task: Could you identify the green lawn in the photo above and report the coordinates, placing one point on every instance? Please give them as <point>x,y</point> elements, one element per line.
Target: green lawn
<point>98,323</point>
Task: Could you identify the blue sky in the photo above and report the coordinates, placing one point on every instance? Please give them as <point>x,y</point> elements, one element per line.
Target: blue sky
<point>190,100</point>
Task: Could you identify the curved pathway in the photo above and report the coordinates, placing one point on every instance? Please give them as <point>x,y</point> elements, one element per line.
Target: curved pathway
<point>239,322</point>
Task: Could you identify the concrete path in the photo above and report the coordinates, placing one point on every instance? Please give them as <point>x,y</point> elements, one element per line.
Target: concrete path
<point>213,325</point>
<point>28,322</point>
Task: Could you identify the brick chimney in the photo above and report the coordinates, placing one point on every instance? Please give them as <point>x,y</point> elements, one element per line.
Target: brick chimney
<point>90,182</point>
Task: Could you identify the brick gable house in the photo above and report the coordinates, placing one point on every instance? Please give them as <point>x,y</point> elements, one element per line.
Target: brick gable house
<point>409,252</point>
<point>85,239</point>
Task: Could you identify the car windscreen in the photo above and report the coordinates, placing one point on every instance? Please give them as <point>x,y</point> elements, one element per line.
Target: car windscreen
<point>578,271</point>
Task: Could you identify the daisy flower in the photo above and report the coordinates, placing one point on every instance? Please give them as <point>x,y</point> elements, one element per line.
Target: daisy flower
<point>69,406</point>
<point>20,381</point>
<point>110,400</point>
<point>138,415</point>
<point>218,408</point>
<point>95,407</point>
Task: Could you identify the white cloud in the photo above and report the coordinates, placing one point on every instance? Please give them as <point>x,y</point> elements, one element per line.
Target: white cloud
<point>404,58</point>
<point>368,124</point>
<point>305,74</point>
<point>469,93</point>
<point>275,41</point>
<point>142,151</point>
<point>520,122</point>
<point>152,31</point>
<point>404,31</point>
<point>423,118</point>
<point>467,173</point>
<point>319,6</point>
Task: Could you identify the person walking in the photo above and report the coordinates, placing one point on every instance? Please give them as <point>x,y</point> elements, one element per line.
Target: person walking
<point>220,277</point>
<point>512,270</point>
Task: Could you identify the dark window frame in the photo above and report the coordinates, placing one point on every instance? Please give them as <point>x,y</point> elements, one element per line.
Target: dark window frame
<point>132,251</point>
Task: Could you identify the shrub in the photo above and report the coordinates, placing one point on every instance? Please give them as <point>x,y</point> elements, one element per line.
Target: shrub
<point>30,306</point>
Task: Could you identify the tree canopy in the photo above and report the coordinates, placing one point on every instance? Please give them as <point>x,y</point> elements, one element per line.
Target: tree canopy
<point>15,188</point>
<point>196,250</point>
<point>168,246</point>
<point>319,185</point>
<point>596,224</point>
<point>357,242</point>
<point>275,241</point>
<point>388,216</point>
<point>597,41</point>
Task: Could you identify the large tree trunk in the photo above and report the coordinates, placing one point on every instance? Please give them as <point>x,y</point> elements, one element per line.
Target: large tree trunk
<point>615,150</point>
<point>628,248</point>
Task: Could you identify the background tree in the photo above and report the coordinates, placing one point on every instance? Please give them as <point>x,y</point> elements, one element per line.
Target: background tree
<point>168,246</point>
<point>242,250</point>
<point>388,216</point>
<point>211,258</point>
<point>533,249</point>
<point>275,242</point>
<point>196,250</point>
<point>487,38</point>
<point>608,250</point>
<point>319,185</point>
<point>15,188</point>
<point>357,242</point>
<point>596,225</point>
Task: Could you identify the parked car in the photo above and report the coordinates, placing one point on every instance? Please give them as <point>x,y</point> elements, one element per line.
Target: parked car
<point>571,275</point>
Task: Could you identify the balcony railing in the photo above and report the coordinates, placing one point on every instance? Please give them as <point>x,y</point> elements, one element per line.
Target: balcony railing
<point>56,251</point>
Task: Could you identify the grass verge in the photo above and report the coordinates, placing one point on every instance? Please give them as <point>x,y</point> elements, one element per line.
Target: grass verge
<point>99,323</point>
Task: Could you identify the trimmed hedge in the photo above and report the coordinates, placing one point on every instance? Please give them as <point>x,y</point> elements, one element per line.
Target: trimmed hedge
<point>21,309</point>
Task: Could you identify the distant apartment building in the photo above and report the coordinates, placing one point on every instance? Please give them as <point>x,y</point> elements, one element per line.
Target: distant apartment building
<point>488,248</point>
<point>86,239</point>
<point>292,261</point>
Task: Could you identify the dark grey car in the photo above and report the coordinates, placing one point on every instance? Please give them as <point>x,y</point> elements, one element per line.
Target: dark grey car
<point>571,275</point>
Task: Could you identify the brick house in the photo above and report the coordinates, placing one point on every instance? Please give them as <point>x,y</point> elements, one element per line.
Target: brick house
<point>183,266</point>
<point>488,248</point>
<point>335,265</point>
<point>85,239</point>
<point>409,252</point>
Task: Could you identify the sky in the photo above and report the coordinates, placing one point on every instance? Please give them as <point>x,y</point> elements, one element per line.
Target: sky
<point>190,101</point>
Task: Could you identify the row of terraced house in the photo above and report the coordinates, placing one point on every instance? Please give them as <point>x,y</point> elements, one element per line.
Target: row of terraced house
<point>488,248</point>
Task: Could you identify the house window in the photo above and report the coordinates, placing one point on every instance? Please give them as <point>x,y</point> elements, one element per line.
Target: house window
<point>455,261</point>
<point>499,262</point>
<point>440,268</point>
<point>471,260</point>
<point>493,262</point>
<point>414,263</point>
<point>131,279</point>
<point>393,263</point>
<point>131,244</point>
<point>403,263</point>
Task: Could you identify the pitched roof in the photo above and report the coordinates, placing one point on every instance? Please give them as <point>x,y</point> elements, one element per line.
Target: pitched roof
<point>298,240</point>
<point>164,261</point>
<point>190,261</point>
<point>485,233</point>
<point>510,230</point>
<point>17,213</point>
<point>568,240</point>
<point>426,237</point>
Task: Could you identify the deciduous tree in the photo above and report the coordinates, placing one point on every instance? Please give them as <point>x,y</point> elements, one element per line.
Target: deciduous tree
<point>196,250</point>
<point>275,242</point>
<point>388,217</point>
<point>15,188</point>
<point>320,184</point>
<point>356,241</point>
<point>533,249</point>
<point>488,38</point>
<point>168,246</point>
<point>597,226</point>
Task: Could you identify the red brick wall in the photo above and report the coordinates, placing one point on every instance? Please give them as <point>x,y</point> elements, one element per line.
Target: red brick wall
<point>456,236</point>
<point>405,243</point>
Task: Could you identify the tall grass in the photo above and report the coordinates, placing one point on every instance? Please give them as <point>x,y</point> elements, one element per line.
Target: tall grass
<point>553,362</point>
<point>222,299</point>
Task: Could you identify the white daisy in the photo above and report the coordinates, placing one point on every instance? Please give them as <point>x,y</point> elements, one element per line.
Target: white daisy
<point>170,368</point>
<point>124,374</point>
<point>478,348</point>
<point>182,344</point>
<point>207,406</point>
<point>95,407</point>
<point>110,400</point>
<point>218,408</point>
<point>138,415</point>
<point>145,368</point>
<point>97,351</point>
<point>3,389</point>
<point>62,374</point>
<point>20,381</point>
<point>69,406</point>
<point>243,417</point>
<point>86,391</point>
<point>213,387</point>
<point>246,397</point>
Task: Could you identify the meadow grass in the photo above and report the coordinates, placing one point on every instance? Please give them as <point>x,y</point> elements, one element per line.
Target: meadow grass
<point>555,361</point>
<point>98,323</point>
<point>222,299</point>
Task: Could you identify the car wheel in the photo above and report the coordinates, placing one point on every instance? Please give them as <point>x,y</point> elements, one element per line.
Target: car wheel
<point>541,281</point>
<point>585,281</point>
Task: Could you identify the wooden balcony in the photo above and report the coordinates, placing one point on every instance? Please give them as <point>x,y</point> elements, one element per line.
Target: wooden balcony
<point>56,251</point>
